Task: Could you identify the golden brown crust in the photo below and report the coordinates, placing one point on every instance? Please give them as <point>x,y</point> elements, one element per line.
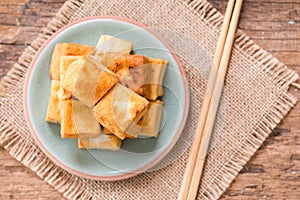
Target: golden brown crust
<point>156,61</point>
<point>65,63</point>
<point>80,144</point>
<point>108,58</point>
<point>53,112</point>
<point>66,49</point>
<point>157,68</point>
<point>118,109</point>
<point>92,83</point>
<point>105,83</point>
<point>106,131</point>
<point>70,76</point>
<point>68,129</point>
<point>77,120</point>
<point>141,74</point>
<point>55,61</point>
<point>103,142</point>
<point>131,71</point>
<point>134,128</point>
<point>150,123</point>
<point>109,48</point>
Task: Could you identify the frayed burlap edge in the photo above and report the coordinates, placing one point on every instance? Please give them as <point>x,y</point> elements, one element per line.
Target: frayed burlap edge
<point>62,181</point>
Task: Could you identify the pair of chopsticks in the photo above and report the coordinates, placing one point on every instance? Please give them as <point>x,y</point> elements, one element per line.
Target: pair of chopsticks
<point>211,101</point>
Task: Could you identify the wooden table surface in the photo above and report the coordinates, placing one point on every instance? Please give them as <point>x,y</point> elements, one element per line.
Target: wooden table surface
<point>272,173</point>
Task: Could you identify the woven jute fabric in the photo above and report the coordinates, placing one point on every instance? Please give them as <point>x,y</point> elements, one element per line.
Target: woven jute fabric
<point>254,100</point>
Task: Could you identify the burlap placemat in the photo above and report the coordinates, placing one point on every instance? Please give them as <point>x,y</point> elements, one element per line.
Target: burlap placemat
<point>255,99</point>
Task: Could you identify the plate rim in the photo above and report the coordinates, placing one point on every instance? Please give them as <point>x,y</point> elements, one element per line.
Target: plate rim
<point>127,174</point>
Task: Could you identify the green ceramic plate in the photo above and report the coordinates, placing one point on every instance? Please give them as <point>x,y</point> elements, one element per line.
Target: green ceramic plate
<point>136,156</point>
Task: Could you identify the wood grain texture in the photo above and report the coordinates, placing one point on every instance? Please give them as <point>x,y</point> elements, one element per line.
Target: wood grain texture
<point>272,173</point>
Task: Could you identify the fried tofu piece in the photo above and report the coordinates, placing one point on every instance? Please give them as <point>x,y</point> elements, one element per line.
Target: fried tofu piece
<point>150,123</point>
<point>158,68</point>
<point>110,44</point>
<point>141,74</point>
<point>119,108</point>
<point>109,48</point>
<point>108,58</point>
<point>65,63</point>
<point>70,76</point>
<point>53,112</point>
<point>66,49</point>
<point>88,81</point>
<point>93,82</point>
<point>77,120</point>
<point>106,131</point>
<point>156,61</point>
<point>102,142</point>
<point>132,72</point>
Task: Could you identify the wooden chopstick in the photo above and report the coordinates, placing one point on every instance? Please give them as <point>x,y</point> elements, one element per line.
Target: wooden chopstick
<point>214,102</point>
<point>202,136</point>
<point>205,106</point>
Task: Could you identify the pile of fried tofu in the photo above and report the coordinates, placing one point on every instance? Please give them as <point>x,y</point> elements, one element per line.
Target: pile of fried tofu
<point>102,95</point>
